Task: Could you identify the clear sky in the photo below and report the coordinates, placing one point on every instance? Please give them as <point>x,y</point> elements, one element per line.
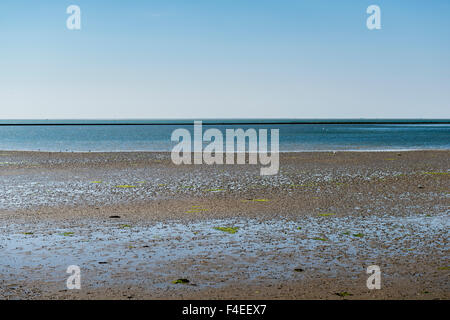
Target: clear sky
<point>224,59</point>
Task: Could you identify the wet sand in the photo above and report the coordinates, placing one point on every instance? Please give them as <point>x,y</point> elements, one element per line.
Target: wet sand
<point>134,222</point>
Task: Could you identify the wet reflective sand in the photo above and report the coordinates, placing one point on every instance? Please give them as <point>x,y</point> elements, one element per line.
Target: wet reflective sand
<point>328,216</point>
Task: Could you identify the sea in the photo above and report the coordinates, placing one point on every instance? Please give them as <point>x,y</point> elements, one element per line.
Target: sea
<point>295,135</point>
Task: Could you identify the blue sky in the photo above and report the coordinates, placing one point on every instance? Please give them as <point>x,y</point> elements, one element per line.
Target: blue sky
<point>224,59</point>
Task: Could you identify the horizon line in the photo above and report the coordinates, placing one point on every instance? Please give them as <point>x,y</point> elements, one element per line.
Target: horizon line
<point>217,121</point>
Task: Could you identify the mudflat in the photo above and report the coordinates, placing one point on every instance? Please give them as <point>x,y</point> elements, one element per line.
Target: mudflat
<point>135,223</point>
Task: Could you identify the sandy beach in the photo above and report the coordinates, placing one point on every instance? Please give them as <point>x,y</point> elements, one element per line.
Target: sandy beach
<point>135,222</point>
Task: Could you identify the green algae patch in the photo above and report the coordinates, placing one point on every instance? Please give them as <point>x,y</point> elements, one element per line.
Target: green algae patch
<point>444,268</point>
<point>343,294</point>
<point>347,233</point>
<point>299,228</point>
<point>358,235</point>
<point>123,226</point>
<point>230,230</point>
<point>162,185</point>
<point>27,233</point>
<point>125,186</point>
<point>67,234</point>
<point>320,239</point>
<point>326,214</point>
<point>181,281</point>
<point>436,173</point>
<point>99,181</point>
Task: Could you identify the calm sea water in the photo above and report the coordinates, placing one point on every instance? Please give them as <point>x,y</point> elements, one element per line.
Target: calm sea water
<point>154,135</point>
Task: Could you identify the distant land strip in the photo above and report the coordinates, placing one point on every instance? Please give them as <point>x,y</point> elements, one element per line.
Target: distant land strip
<point>220,123</point>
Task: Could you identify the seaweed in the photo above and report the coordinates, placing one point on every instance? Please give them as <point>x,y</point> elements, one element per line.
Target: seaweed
<point>436,173</point>
<point>304,185</point>
<point>230,230</point>
<point>181,281</point>
<point>343,294</point>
